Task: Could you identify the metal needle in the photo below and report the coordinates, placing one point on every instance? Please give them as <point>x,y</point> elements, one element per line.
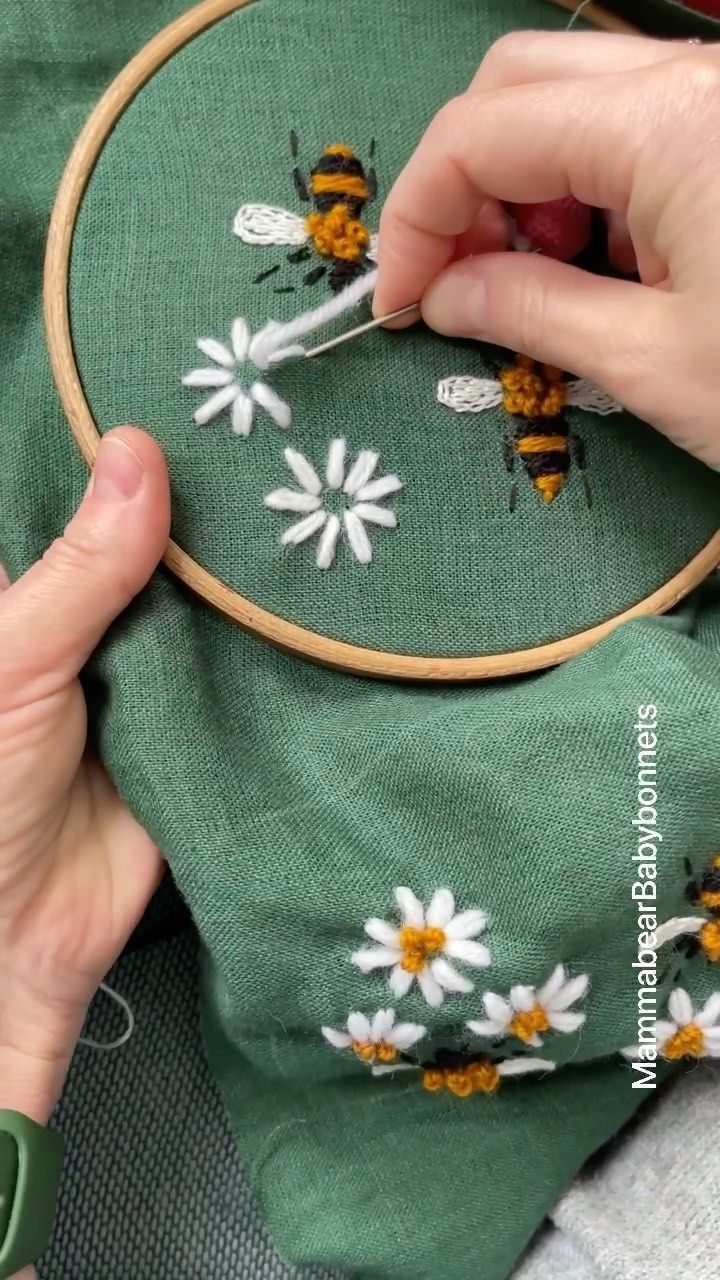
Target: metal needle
<point>362,328</point>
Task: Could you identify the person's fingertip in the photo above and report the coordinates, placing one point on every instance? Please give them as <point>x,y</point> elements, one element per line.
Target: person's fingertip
<point>454,304</point>
<point>118,472</point>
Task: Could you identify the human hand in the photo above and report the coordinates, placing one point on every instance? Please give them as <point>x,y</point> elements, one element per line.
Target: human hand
<point>624,123</point>
<point>76,870</point>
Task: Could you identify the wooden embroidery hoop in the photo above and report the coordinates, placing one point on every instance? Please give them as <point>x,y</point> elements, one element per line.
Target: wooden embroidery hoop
<point>268,626</point>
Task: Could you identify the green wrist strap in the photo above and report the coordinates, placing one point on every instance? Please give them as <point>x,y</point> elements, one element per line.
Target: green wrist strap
<point>30,1162</point>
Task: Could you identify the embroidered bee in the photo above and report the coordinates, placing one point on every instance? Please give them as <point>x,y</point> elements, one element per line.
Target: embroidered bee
<point>535,396</point>
<point>704,892</point>
<point>338,187</point>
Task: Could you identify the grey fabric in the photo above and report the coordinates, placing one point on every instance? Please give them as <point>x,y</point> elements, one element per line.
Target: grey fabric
<point>650,1207</point>
<point>555,1256</point>
<point>153,1188</point>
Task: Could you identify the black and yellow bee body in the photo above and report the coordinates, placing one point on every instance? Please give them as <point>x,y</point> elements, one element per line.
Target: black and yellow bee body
<point>535,396</point>
<point>339,188</point>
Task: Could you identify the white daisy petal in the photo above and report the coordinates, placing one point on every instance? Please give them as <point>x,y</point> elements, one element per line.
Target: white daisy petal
<point>466,925</point>
<point>632,1052</point>
<point>272,403</point>
<point>207,378</point>
<point>359,1027</point>
<point>565,1022</point>
<point>240,339</point>
<point>390,1069</point>
<point>448,977</point>
<point>488,1029</point>
<point>291,500</point>
<point>335,468</point>
<point>473,953</point>
<point>382,1025</point>
<point>373,958</point>
<point>400,981</point>
<point>304,471</point>
<point>379,488</point>
<point>326,545</point>
<point>664,1031</point>
<point>304,529</point>
<point>522,998</point>
<point>497,1009</point>
<point>553,985</point>
<point>215,404</point>
<point>361,471</point>
<point>441,909</point>
<point>710,1012</point>
<point>405,1035</point>
<point>216,351</point>
<point>573,990</point>
<point>242,414</point>
<point>676,927</point>
<point>381,931</point>
<point>338,1039</point>
<point>357,537</point>
<point>711,1037</point>
<point>410,907</point>
<point>680,1006</point>
<point>375,515</point>
<point>430,987</point>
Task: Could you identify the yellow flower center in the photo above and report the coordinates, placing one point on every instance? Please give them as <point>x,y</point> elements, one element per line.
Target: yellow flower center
<point>710,940</point>
<point>688,1042</point>
<point>367,1051</point>
<point>473,1077</point>
<point>417,944</point>
<point>529,1022</point>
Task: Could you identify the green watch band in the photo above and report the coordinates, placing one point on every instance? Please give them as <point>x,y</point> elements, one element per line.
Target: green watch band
<point>30,1162</point>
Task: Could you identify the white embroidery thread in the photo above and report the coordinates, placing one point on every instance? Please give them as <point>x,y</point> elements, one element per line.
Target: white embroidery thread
<point>422,947</point>
<point>230,392</point>
<point>376,1040</point>
<point>466,394</point>
<point>277,342</point>
<point>363,494</point>
<point>528,1011</point>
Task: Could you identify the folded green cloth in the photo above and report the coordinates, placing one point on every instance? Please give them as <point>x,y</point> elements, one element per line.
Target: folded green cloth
<point>476,841</point>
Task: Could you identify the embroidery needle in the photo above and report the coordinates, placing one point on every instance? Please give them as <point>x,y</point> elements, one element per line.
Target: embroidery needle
<point>362,328</point>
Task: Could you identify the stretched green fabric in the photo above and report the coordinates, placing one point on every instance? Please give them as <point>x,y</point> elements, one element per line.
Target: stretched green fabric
<point>292,801</point>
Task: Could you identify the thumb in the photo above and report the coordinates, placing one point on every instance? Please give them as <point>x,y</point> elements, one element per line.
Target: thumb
<point>613,332</point>
<point>52,618</point>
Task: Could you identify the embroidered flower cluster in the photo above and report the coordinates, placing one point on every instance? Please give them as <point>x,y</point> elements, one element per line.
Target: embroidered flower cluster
<point>436,948</point>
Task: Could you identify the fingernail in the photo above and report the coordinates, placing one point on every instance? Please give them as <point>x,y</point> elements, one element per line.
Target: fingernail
<point>117,473</point>
<point>456,304</point>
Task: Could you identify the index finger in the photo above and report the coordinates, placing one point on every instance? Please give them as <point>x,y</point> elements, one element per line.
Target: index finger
<point>524,143</point>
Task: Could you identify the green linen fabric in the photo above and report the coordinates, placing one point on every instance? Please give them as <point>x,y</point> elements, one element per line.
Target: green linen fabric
<point>156,265</point>
<point>291,800</point>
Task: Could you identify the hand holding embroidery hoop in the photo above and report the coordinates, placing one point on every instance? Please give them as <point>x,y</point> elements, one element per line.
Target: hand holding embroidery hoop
<point>464,589</point>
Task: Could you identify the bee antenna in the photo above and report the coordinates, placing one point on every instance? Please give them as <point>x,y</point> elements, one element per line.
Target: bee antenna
<point>688,866</point>
<point>294,144</point>
<point>371,149</point>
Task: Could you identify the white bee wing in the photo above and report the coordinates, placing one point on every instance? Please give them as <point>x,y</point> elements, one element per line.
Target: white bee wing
<point>267,224</point>
<point>371,251</point>
<point>582,394</point>
<point>465,394</point>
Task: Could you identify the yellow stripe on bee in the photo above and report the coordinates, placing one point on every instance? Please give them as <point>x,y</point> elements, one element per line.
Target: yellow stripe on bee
<point>541,444</point>
<point>345,184</point>
<point>339,149</point>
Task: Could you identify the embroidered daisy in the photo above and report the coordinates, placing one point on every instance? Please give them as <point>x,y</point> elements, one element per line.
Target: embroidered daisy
<point>376,1041</point>
<point>468,1075</point>
<point>229,392</point>
<point>685,1034</point>
<point>528,1013</point>
<point>420,947</point>
<point>346,499</point>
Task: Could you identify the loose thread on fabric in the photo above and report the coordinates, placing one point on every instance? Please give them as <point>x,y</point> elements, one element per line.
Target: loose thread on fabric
<point>277,342</point>
<point>91,1043</point>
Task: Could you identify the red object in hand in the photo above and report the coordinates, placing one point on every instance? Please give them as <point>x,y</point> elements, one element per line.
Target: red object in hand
<point>558,228</point>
